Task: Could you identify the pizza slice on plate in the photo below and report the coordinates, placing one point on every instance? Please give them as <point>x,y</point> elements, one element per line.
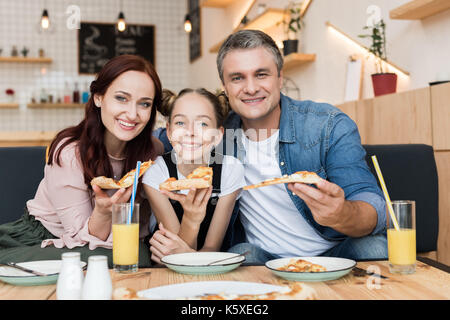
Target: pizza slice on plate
<point>199,178</point>
<point>299,176</point>
<point>126,181</point>
<point>300,265</point>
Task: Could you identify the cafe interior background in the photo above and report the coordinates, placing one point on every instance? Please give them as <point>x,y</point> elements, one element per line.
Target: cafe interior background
<point>332,64</point>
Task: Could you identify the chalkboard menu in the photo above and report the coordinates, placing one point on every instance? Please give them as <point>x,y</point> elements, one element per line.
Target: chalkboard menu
<point>99,42</point>
<point>195,44</point>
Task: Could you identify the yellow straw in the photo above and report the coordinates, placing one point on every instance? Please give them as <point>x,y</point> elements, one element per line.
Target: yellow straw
<point>386,195</point>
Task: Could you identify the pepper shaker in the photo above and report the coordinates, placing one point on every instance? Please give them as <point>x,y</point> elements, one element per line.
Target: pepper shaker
<point>98,284</point>
<point>70,279</point>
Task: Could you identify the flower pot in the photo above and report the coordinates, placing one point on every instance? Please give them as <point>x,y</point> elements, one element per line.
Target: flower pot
<point>290,46</point>
<point>384,83</point>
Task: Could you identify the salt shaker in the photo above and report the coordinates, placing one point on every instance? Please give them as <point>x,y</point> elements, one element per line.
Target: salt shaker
<point>70,279</point>
<point>98,284</point>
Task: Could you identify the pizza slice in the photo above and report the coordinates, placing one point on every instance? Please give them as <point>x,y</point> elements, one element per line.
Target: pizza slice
<point>299,176</point>
<point>300,265</point>
<point>126,181</point>
<point>199,178</point>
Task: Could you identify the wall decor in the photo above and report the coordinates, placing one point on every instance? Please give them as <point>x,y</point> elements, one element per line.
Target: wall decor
<point>99,42</point>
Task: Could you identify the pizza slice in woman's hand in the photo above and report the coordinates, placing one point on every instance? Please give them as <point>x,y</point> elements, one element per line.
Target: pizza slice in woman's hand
<point>126,181</point>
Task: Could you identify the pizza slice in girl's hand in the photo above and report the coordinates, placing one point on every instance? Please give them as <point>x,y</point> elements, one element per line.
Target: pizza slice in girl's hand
<point>199,178</point>
<point>126,181</point>
<point>299,176</point>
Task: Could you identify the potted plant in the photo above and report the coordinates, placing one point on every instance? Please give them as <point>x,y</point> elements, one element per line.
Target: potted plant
<point>383,82</point>
<point>292,26</point>
<point>10,94</point>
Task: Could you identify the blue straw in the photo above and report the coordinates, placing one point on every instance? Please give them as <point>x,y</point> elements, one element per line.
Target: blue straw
<point>133,195</point>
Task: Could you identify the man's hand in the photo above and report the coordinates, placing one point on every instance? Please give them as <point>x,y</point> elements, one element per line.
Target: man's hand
<point>165,242</point>
<point>326,202</point>
<point>329,208</point>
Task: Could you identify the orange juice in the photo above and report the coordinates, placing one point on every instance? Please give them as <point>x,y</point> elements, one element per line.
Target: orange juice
<point>125,243</point>
<point>402,246</point>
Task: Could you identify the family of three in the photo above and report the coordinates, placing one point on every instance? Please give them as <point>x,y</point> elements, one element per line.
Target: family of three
<point>265,135</point>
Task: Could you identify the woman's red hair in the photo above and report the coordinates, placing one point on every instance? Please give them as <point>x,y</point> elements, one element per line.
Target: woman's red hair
<point>89,133</point>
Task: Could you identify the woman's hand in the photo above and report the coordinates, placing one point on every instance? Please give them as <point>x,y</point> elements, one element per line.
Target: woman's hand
<point>165,242</point>
<point>103,202</point>
<point>194,203</point>
<point>100,221</point>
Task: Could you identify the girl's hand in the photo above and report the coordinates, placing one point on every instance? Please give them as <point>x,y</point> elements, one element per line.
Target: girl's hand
<point>194,203</point>
<point>103,203</point>
<point>165,242</point>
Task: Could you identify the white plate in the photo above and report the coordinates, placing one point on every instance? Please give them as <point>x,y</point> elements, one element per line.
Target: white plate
<point>21,278</point>
<point>336,268</point>
<point>196,263</point>
<point>191,289</point>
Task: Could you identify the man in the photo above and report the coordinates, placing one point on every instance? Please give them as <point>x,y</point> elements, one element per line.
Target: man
<point>274,135</point>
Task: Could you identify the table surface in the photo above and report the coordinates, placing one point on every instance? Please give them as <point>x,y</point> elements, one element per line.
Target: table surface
<point>426,283</point>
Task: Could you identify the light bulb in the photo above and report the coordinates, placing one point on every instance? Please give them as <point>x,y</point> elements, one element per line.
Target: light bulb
<point>121,25</point>
<point>187,24</point>
<point>45,22</point>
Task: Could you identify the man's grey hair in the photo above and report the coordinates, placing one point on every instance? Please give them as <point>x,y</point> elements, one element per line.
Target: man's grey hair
<point>248,39</point>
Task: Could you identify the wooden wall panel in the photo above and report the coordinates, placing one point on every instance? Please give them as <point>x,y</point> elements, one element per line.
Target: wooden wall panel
<point>349,108</point>
<point>443,167</point>
<point>440,110</point>
<point>396,118</point>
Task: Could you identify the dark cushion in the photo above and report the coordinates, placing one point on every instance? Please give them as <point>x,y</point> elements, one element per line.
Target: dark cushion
<point>21,171</point>
<point>409,172</point>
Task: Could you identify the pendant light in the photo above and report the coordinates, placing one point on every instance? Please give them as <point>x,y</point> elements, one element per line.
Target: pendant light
<point>121,24</point>
<point>45,21</point>
<point>44,26</point>
<point>187,24</point>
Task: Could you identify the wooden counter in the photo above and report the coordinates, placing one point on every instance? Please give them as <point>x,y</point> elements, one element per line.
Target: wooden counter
<point>26,138</point>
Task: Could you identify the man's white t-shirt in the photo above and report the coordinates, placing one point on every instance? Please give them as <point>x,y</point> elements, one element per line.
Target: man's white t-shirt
<point>270,218</point>
<point>232,178</point>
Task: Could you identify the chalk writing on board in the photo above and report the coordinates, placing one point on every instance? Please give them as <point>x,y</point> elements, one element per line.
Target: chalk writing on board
<point>99,42</point>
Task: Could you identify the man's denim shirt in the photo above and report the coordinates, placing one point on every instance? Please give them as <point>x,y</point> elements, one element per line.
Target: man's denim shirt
<point>320,138</point>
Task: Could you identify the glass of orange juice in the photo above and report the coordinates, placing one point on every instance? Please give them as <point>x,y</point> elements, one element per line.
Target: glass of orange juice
<point>402,242</point>
<point>125,237</point>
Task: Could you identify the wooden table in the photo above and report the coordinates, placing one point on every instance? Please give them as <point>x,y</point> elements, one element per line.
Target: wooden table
<point>428,283</point>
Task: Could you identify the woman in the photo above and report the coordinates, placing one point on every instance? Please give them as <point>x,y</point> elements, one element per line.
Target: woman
<point>192,220</point>
<point>67,212</point>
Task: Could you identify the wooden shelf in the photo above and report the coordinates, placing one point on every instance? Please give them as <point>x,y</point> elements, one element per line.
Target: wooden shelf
<point>419,9</point>
<point>295,59</point>
<point>216,3</point>
<point>54,105</point>
<point>264,21</point>
<point>25,60</point>
<point>9,105</point>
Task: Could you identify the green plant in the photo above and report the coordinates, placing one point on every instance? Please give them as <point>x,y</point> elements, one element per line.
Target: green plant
<point>294,23</point>
<point>378,47</point>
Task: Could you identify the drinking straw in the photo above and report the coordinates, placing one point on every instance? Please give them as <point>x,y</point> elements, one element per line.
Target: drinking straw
<point>386,194</point>
<point>133,195</point>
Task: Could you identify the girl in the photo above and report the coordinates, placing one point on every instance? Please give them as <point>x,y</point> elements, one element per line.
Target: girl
<point>192,219</point>
<point>115,133</point>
